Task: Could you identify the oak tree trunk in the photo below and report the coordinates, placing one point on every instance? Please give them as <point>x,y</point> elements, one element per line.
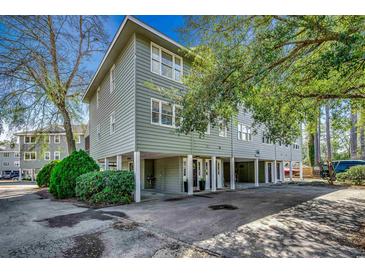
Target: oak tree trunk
<point>328,134</point>
<point>71,147</point>
<point>353,135</point>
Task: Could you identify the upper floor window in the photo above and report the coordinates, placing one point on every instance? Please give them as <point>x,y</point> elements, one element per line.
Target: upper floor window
<point>166,63</point>
<point>47,139</point>
<point>17,154</point>
<point>6,154</point>
<point>112,122</point>
<point>57,155</point>
<point>98,135</point>
<point>266,139</point>
<point>57,139</point>
<point>164,113</point>
<point>222,129</point>
<point>97,97</point>
<point>5,163</point>
<point>244,132</point>
<point>29,139</point>
<point>112,79</point>
<point>30,156</point>
<point>77,139</point>
<point>47,156</point>
<point>295,146</point>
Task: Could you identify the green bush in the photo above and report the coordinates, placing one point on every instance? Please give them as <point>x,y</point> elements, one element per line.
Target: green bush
<point>64,175</point>
<point>355,174</point>
<point>44,175</point>
<point>106,187</point>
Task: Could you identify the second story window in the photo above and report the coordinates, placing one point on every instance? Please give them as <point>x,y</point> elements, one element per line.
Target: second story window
<point>6,154</point>
<point>57,155</point>
<point>57,139</point>
<point>47,156</point>
<point>222,129</point>
<point>244,133</point>
<point>17,154</point>
<point>112,79</point>
<point>98,134</point>
<point>165,114</point>
<point>295,146</point>
<point>266,139</point>
<point>30,156</point>
<point>166,63</point>
<point>29,139</point>
<point>112,122</point>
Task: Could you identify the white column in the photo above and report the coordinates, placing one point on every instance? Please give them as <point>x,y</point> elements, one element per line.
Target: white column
<point>232,172</point>
<point>257,172</point>
<point>119,162</point>
<point>282,172</point>
<point>291,171</point>
<point>266,172</point>
<point>275,172</point>
<point>301,170</point>
<point>137,176</point>
<point>106,164</point>
<point>32,174</point>
<point>20,174</point>
<point>189,171</point>
<point>214,173</point>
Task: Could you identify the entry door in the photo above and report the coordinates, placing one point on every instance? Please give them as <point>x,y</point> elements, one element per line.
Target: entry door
<point>219,173</point>
<point>269,172</point>
<point>195,174</point>
<point>207,174</point>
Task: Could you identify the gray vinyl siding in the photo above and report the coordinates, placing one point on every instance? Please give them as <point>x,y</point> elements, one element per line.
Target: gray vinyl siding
<point>11,159</point>
<point>122,102</point>
<point>168,173</point>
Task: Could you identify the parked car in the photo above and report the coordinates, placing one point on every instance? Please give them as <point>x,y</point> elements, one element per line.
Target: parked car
<point>6,175</point>
<point>296,170</point>
<point>343,165</point>
<point>15,175</point>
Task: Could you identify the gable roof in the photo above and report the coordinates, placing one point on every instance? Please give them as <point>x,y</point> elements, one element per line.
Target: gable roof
<point>129,26</point>
<point>78,129</point>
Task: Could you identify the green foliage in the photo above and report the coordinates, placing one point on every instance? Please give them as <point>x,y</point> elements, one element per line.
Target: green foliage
<point>355,174</point>
<point>44,175</point>
<point>64,175</point>
<point>106,187</point>
<point>280,68</point>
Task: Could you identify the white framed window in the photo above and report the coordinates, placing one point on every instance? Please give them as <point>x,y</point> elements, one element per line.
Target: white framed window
<point>266,139</point>
<point>29,139</point>
<point>112,122</point>
<point>30,156</point>
<point>17,163</point>
<point>47,156</point>
<point>57,139</point>
<point>98,135</point>
<point>57,155</point>
<point>112,79</point>
<point>6,164</point>
<point>166,63</point>
<point>222,129</point>
<point>6,154</point>
<point>47,139</point>
<point>208,129</point>
<point>165,114</point>
<point>97,97</point>
<point>77,138</point>
<point>244,132</point>
<point>295,146</point>
<point>17,154</point>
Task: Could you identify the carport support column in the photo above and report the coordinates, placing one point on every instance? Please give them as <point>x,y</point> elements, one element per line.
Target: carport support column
<point>20,174</point>
<point>106,164</point>
<point>301,170</point>
<point>119,162</point>
<point>137,176</point>
<point>214,173</point>
<point>232,172</point>
<point>291,171</point>
<point>190,174</point>
<point>282,172</point>
<point>257,172</point>
<point>275,172</point>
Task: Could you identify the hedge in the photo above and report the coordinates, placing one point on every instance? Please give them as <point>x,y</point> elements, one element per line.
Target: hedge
<point>44,175</point>
<point>64,175</point>
<point>355,174</point>
<point>106,187</point>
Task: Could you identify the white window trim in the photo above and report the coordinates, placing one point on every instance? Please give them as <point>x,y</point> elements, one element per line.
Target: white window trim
<point>49,155</point>
<point>173,62</point>
<point>97,97</point>
<point>160,113</point>
<point>112,121</point>
<point>240,132</point>
<point>54,139</point>
<point>225,130</point>
<point>7,154</point>
<point>57,153</point>
<point>30,152</point>
<point>112,79</point>
<point>25,138</point>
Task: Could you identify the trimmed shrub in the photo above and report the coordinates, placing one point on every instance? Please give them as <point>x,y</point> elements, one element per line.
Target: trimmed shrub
<point>64,175</point>
<point>44,175</point>
<point>106,187</point>
<point>355,174</point>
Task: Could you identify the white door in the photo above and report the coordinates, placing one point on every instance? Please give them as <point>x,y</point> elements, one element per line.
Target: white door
<point>219,173</point>
<point>207,174</point>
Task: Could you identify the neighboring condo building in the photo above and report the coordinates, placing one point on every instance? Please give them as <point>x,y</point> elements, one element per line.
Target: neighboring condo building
<point>38,148</point>
<point>9,159</point>
<point>133,127</point>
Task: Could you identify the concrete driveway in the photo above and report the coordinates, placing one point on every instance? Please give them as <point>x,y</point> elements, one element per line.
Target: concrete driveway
<point>276,221</point>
